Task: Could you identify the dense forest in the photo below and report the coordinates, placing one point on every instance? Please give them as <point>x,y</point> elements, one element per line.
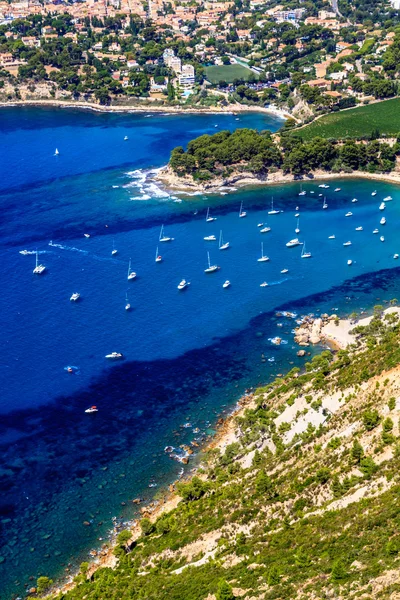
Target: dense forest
<point>261,153</point>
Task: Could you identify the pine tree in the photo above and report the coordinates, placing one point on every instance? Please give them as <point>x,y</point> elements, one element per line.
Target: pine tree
<point>357,451</point>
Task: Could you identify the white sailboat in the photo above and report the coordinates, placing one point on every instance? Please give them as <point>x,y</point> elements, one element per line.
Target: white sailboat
<point>297,230</point>
<point>374,193</point>
<point>265,229</point>
<point>39,269</point>
<point>114,251</point>
<point>273,211</point>
<point>302,193</point>
<point>56,153</point>
<point>262,258</point>
<point>304,253</point>
<point>222,245</point>
<point>211,268</point>
<point>75,297</point>
<point>158,256</point>
<point>325,205</point>
<point>131,274</point>
<point>163,237</point>
<point>127,303</point>
<point>242,213</point>
<point>208,218</point>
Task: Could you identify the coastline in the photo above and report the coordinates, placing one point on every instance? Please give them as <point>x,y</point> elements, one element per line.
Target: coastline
<point>186,184</point>
<point>91,106</point>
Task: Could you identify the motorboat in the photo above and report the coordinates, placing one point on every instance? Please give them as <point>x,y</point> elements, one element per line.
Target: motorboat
<point>395,256</point>
<point>126,138</point>
<point>373,193</point>
<point>331,237</point>
<point>92,409</point>
<point>262,258</point>
<point>324,186</point>
<point>294,242</point>
<point>265,229</point>
<point>348,214</point>
<point>347,244</point>
<point>337,189</point>
<point>382,238</point>
<point>349,262</point>
<point>222,245</point>
<point>382,221</point>
<point>211,268</point>
<point>297,215</point>
<point>87,235</point>
<point>284,271</point>
<point>114,355</point>
<point>260,224</point>
<point>75,296</point>
<point>210,238</point>
<point>39,269</point>
<point>183,284</point>
<point>359,228</point>
<point>388,199</point>
<point>131,274</point>
<point>382,206</point>
<point>24,252</point>
<point>226,284</point>
<point>114,251</point>
<point>375,231</point>
<point>208,218</point>
<point>354,200</point>
<point>264,284</point>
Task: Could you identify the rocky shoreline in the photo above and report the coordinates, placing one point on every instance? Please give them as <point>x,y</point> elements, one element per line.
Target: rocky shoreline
<point>311,331</point>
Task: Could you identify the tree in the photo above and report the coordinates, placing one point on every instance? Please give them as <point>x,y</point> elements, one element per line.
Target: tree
<point>302,559</point>
<point>224,591</point>
<point>371,419</point>
<point>146,526</point>
<point>42,584</point>
<point>357,451</point>
<point>124,536</point>
<point>264,485</point>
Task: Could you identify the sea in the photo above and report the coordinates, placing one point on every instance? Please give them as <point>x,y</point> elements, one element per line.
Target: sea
<point>67,477</point>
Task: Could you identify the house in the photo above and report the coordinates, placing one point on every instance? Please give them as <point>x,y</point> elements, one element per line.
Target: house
<point>319,83</point>
<point>31,41</point>
<point>6,58</point>
<point>342,46</point>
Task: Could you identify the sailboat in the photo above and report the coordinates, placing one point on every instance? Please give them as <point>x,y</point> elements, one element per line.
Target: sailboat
<point>265,229</point>
<point>262,258</point>
<point>131,274</point>
<point>297,230</point>
<point>222,245</point>
<point>304,253</point>
<point>325,205</point>
<point>273,211</point>
<point>158,256</point>
<point>56,153</point>
<point>163,237</point>
<point>211,268</point>
<point>114,251</point>
<point>39,269</point>
<point>208,218</point>
<point>301,193</point>
<point>127,303</point>
<point>242,213</point>
<point>126,138</point>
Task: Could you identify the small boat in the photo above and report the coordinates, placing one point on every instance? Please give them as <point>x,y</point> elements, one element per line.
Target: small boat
<point>211,268</point>
<point>273,211</point>
<point>375,231</point>
<point>127,303</point>
<point>39,269</point>
<point>349,262</point>
<point>354,200</point>
<point>382,238</point>
<point>264,284</point>
<point>395,256</point>
<point>87,235</point>
<point>114,355</point>
<point>382,221</point>
<point>114,251</point>
<point>210,238</point>
<point>131,274</point>
<point>183,284</point>
<point>359,228</point>
<point>163,237</point>
<point>265,229</point>
<point>297,230</point>
<point>226,284</point>
<point>222,245</point>
<point>208,218</point>
<point>242,213</point>
<point>56,153</point>
<point>294,242</point>
<point>337,189</point>
<point>284,271</point>
<point>302,193</point>
<point>373,193</point>
<point>323,186</point>
<point>388,199</point>
<point>325,205</point>
<point>331,237</point>
<point>304,253</point>
<point>158,256</point>
<point>24,252</point>
<point>262,258</point>
<point>297,215</point>
<point>382,206</point>
<point>348,214</point>
<point>260,224</point>
<point>75,296</point>
<point>126,138</point>
<point>92,409</point>
<point>347,244</point>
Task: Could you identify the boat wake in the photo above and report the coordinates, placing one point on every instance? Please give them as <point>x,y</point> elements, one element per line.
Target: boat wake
<point>70,248</point>
<point>25,252</point>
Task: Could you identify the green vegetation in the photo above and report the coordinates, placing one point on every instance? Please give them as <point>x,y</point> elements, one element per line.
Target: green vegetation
<point>361,122</point>
<point>228,73</point>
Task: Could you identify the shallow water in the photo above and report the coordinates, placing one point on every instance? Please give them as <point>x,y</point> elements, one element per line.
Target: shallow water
<point>188,355</point>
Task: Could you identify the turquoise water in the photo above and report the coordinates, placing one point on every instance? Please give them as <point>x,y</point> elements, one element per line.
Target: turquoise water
<point>188,356</point>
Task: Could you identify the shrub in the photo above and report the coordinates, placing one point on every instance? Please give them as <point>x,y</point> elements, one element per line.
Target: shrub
<point>124,536</point>
<point>368,467</point>
<point>357,451</point>
<point>42,584</point>
<point>338,572</point>
<point>224,591</point>
<point>371,419</point>
<point>193,490</point>
<point>146,526</point>
<point>323,475</point>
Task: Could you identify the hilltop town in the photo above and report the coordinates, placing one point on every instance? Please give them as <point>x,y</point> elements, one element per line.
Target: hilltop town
<point>302,58</point>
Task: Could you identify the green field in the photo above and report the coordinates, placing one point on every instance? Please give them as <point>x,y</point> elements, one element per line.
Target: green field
<point>227,73</point>
<point>357,122</point>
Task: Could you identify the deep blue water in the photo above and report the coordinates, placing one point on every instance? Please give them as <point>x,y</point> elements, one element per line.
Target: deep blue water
<point>188,355</point>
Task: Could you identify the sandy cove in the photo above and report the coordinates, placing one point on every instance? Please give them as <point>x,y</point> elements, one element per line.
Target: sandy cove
<point>186,184</point>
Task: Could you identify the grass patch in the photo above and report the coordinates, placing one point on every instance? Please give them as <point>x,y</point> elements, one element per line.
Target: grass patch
<point>227,73</point>
<point>357,122</point>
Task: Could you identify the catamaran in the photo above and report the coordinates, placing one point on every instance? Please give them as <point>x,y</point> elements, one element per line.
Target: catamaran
<point>297,230</point>
<point>242,213</point>
<point>163,237</point>
<point>158,256</point>
<point>304,253</point>
<point>294,242</point>
<point>39,269</point>
<point>131,274</point>
<point>208,218</point>
<point>211,268</point>
<point>222,245</point>
<point>75,296</point>
<point>273,211</point>
<point>262,258</point>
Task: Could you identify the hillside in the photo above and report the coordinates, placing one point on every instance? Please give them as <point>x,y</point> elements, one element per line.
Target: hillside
<point>301,503</point>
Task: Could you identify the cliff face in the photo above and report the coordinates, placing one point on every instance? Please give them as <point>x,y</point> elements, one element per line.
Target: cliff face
<point>301,500</point>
